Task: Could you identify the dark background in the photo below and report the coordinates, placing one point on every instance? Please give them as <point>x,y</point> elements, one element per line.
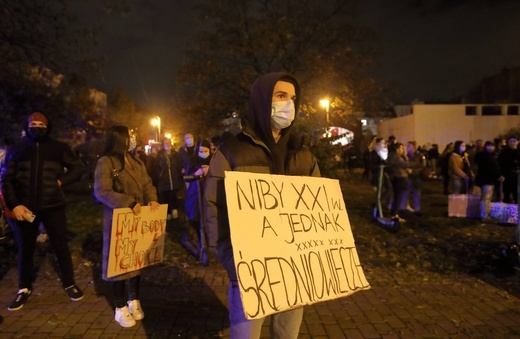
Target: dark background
<point>429,50</point>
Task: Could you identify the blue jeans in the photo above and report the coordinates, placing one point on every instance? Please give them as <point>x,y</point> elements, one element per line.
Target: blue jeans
<point>486,193</point>
<point>284,325</point>
<point>458,186</point>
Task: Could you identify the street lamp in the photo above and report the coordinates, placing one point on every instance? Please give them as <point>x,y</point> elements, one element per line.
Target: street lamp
<point>157,122</point>
<point>325,104</point>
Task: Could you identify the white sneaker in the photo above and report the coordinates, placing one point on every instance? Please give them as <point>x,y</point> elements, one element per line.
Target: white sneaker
<point>124,318</point>
<point>175,214</point>
<point>135,309</point>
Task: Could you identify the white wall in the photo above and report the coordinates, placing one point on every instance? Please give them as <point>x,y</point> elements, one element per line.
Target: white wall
<point>442,124</point>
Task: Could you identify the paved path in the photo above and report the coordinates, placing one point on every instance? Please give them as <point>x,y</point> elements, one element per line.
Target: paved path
<point>190,303</point>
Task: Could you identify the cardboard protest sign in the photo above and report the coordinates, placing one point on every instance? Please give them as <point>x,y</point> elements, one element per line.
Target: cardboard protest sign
<point>292,241</point>
<point>136,241</point>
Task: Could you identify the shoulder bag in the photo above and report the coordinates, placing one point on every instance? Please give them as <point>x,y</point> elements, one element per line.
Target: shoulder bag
<point>117,183</point>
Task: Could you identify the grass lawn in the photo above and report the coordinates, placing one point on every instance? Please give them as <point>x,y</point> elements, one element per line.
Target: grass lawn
<point>428,245</point>
<point>431,243</point>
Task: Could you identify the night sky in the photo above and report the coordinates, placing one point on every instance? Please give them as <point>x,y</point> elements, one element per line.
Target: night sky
<point>428,53</point>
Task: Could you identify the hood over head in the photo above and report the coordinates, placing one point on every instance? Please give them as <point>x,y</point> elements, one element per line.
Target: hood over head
<point>258,117</point>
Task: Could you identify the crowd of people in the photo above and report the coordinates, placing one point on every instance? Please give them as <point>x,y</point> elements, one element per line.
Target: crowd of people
<point>489,169</point>
<point>33,174</point>
<point>34,170</point>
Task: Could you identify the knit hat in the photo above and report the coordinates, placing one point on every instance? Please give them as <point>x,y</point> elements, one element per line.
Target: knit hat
<point>37,116</point>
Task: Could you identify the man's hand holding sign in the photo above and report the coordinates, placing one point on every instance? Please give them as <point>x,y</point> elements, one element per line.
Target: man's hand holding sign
<point>292,241</point>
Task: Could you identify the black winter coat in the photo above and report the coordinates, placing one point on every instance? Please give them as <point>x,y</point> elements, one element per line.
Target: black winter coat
<point>191,202</point>
<point>168,172</point>
<point>509,161</point>
<point>488,171</point>
<point>245,153</point>
<point>32,170</point>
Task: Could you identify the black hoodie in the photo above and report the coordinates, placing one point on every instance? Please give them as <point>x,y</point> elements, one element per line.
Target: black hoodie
<point>257,122</point>
<point>252,150</point>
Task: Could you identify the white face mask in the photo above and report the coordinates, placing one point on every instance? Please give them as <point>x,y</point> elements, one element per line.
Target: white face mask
<point>462,149</point>
<point>132,145</point>
<point>204,154</point>
<point>383,152</point>
<point>282,114</point>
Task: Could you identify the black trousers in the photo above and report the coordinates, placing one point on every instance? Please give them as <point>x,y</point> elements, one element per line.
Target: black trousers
<point>399,185</point>
<point>55,223</point>
<point>170,198</point>
<point>118,290</point>
<point>510,186</point>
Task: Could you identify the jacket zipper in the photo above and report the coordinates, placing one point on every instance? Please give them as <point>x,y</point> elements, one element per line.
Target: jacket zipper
<point>37,169</point>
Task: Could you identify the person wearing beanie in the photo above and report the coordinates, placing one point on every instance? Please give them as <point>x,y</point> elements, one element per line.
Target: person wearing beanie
<point>33,177</point>
<point>265,145</point>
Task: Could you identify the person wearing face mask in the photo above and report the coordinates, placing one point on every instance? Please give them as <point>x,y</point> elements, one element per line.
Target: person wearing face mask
<point>186,151</point>
<point>196,170</point>
<point>169,180</point>
<point>32,178</point>
<point>459,169</point>
<point>137,190</point>
<point>266,144</point>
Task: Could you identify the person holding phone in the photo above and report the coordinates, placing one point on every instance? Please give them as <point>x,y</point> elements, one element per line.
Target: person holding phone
<point>32,179</point>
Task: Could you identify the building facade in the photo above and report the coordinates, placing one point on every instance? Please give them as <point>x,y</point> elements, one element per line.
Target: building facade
<point>444,123</point>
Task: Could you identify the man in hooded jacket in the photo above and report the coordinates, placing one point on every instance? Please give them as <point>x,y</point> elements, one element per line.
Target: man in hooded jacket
<point>265,145</point>
<point>32,179</point>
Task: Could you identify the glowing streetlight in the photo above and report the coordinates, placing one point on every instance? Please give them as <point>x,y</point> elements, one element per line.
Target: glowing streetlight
<point>325,104</point>
<point>157,122</point>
